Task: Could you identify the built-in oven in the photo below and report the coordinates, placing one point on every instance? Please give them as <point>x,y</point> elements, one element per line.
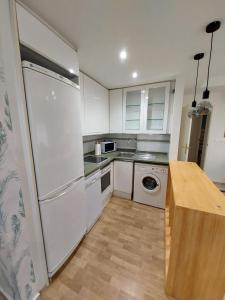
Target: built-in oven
<point>106,183</point>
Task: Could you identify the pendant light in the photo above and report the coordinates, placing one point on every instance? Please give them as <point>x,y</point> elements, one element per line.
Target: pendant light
<point>197,57</point>
<point>192,111</point>
<point>210,28</point>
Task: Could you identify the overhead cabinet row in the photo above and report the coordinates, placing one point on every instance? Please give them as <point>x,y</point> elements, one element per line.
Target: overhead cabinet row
<point>142,109</point>
<point>37,36</point>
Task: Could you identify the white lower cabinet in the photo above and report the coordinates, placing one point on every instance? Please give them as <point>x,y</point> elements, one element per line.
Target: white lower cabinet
<point>98,190</point>
<point>93,198</point>
<point>123,179</point>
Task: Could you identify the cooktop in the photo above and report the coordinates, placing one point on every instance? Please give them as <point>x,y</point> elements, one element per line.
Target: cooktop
<point>94,159</point>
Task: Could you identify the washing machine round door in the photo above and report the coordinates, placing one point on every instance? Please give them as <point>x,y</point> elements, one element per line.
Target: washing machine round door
<point>150,183</point>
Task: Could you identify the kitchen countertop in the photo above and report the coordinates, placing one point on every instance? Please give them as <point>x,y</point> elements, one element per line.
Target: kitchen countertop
<point>142,157</point>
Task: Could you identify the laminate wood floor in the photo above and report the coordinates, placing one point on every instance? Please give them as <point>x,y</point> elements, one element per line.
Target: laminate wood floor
<point>121,258</point>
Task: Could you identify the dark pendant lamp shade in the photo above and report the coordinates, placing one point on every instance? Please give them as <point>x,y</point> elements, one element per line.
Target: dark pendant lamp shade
<point>210,28</point>
<point>194,103</point>
<point>197,57</point>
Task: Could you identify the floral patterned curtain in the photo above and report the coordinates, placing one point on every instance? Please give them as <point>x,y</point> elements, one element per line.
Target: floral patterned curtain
<point>17,275</point>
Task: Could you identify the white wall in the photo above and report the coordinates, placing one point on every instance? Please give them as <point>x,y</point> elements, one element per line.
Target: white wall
<point>176,117</point>
<point>184,133</point>
<point>214,164</point>
<point>215,153</point>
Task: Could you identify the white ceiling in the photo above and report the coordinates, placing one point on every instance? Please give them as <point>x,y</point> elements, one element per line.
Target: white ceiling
<point>161,37</point>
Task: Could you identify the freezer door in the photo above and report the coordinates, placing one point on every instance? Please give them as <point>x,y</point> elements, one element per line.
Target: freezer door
<point>64,224</point>
<point>54,111</point>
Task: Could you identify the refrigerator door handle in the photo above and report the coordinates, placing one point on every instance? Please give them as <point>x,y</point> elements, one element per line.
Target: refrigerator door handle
<point>62,192</point>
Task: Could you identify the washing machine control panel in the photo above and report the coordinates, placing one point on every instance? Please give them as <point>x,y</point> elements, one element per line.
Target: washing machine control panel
<point>154,169</point>
<point>159,170</point>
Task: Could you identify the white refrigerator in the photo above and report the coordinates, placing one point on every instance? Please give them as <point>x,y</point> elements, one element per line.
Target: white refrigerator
<point>54,113</point>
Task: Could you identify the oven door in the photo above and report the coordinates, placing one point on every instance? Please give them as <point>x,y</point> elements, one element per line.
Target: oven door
<point>105,180</point>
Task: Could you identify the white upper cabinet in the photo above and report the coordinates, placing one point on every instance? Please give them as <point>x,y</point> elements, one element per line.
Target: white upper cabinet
<point>116,111</point>
<point>38,37</point>
<point>96,107</point>
<point>133,110</point>
<point>145,108</point>
<point>156,105</point>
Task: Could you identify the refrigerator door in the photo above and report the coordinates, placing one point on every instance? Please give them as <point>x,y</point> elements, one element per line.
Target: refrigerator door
<point>64,224</point>
<point>54,109</point>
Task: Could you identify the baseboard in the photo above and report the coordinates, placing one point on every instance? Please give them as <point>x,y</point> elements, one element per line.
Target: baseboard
<point>121,195</point>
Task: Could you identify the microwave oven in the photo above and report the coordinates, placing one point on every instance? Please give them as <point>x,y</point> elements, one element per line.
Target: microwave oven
<point>108,147</point>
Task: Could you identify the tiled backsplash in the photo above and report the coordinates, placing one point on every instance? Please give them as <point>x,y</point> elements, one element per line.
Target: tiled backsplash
<point>124,141</point>
<point>141,142</point>
<point>89,142</point>
<point>153,142</point>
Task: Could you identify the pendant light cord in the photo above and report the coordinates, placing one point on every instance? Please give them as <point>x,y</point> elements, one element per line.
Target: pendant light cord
<point>196,80</point>
<point>210,55</point>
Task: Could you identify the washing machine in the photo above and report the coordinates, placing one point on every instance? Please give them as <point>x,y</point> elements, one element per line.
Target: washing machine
<point>150,183</point>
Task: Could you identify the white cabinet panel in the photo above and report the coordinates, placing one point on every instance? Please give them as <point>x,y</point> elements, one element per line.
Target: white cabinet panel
<point>94,199</point>
<point>96,107</point>
<point>112,177</point>
<point>81,83</point>
<point>38,37</point>
<point>116,111</point>
<point>123,178</point>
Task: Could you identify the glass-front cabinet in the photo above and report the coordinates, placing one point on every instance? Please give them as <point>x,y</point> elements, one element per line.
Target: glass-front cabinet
<point>133,109</point>
<point>146,108</point>
<point>157,104</point>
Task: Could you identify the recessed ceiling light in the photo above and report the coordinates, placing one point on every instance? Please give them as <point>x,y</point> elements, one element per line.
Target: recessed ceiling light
<point>123,54</point>
<point>134,74</point>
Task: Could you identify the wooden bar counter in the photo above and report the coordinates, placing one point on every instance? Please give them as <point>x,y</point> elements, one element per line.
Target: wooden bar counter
<point>194,235</point>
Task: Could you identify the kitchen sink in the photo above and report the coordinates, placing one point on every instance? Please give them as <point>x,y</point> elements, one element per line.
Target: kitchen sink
<point>126,154</point>
<point>146,156</point>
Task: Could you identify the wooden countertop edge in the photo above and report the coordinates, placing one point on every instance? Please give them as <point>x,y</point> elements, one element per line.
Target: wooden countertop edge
<point>193,189</point>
